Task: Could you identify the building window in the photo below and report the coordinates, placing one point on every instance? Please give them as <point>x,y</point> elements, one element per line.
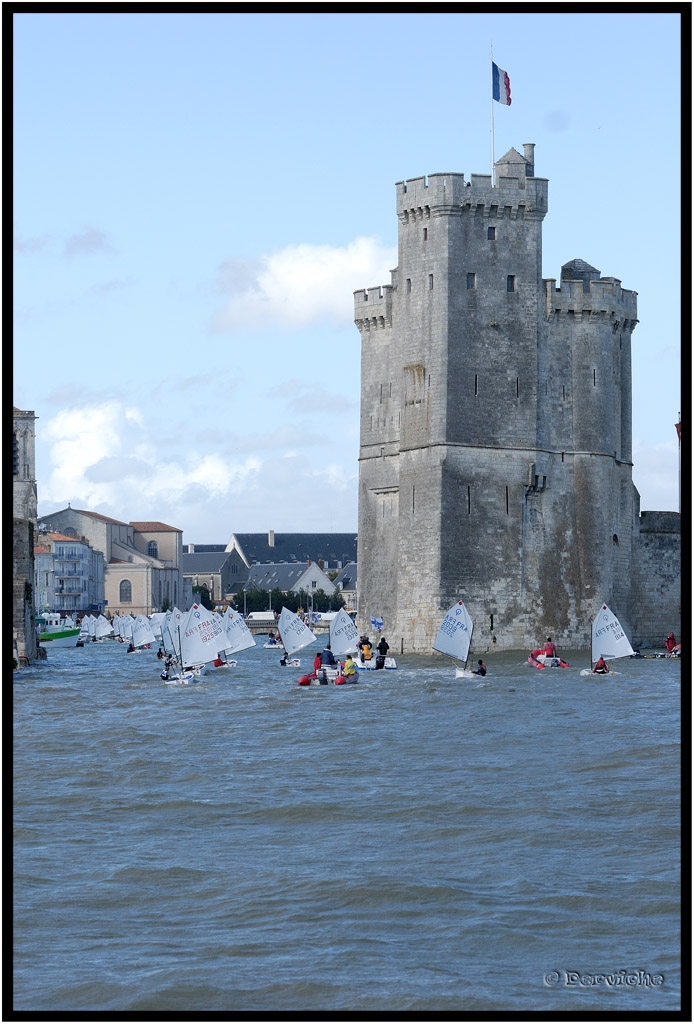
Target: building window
<point>426,233</point>
<point>126,592</point>
<point>152,549</point>
<point>511,283</point>
<point>491,234</point>
<point>615,540</point>
<point>471,281</point>
<point>408,285</point>
<point>476,385</point>
<point>431,281</point>
<point>15,455</point>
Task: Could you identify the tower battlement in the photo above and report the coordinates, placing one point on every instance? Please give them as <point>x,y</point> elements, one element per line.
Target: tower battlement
<point>373,307</point>
<point>591,297</point>
<point>446,193</point>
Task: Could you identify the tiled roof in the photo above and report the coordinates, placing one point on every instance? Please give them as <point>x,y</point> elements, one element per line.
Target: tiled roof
<point>347,577</point>
<point>154,527</point>
<point>281,576</point>
<point>97,515</point>
<point>62,536</point>
<point>204,561</point>
<point>39,549</point>
<point>298,547</point>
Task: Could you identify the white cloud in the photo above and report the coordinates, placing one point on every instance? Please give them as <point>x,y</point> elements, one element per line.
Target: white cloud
<point>110,459</point>
<point>302,283</point>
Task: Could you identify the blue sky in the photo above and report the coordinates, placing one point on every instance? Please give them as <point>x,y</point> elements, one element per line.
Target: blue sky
<point>197,197</point>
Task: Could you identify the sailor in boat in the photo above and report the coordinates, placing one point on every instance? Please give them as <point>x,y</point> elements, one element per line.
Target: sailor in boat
<point>601,667</point>
<point>382,648</point>
<point>364,646</point>
<point>670,643</point>
<point>350,669</point>
<point>481,669</point>
<point>327,657</point>
<point>549,649</point>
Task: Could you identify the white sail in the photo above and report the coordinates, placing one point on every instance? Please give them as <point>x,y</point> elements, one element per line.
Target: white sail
<point>238,636</point>
<point>155,620</point>
<point>91,620</point>
<point>343,635</point>
<point>103,627</point>
<point>142,632</point>
<point>295,633</point>
<point>202,638</point>
<point>455,633</point>
<point>609,639</point>
<point>127,627</point>
<point>171,634</point>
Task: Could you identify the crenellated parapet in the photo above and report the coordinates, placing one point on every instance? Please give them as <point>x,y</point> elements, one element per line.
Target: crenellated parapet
<point>440,195</point>
<point>373,308</point>
<point>591,300</point>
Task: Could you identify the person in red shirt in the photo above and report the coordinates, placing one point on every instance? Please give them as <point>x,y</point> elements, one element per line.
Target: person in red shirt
<point>549,648</point>
<point>601,667</point>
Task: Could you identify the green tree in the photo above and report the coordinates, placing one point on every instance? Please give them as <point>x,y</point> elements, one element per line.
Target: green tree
<point>203,597</point>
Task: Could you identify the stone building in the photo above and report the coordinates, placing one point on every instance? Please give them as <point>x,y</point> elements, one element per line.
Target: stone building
<point>142,560</point>
<point>24,504</point>
<point>68,575</point>
<point>495,433</point>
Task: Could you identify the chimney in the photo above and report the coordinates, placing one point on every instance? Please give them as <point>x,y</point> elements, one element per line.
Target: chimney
<point>529,154</point>
<point>271,538</point>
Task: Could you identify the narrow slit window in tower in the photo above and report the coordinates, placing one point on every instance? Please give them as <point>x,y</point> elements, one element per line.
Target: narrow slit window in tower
<point>517,387</point>
<point>594,379</point>
<point>471,281</point>
<point>431,281</point>
<point>408,285</point>
<point>468,499</point>
<point>507,500</point>
<point>426,233</point>
<point>511,283</point>
<point>491,234</point>
<point>476,389</point>
<point>412,499</point>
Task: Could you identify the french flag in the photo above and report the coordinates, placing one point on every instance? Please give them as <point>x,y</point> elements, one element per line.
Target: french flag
<point>501,85</point>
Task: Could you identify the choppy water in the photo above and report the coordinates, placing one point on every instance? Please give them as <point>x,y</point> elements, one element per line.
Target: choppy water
<point>412,843</point>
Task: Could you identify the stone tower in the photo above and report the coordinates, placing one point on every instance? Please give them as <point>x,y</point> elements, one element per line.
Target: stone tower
<point>495,434</point>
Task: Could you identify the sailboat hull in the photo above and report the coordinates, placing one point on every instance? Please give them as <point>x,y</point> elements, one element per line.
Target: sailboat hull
<point>369,666</point>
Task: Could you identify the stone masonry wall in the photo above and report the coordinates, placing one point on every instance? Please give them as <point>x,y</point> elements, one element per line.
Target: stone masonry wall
<point>656,580</point>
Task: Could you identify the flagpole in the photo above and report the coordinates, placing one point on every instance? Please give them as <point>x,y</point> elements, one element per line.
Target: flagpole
<point>491,102</point>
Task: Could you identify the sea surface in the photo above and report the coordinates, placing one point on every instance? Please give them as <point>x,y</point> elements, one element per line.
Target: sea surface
<point>414,843</point>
